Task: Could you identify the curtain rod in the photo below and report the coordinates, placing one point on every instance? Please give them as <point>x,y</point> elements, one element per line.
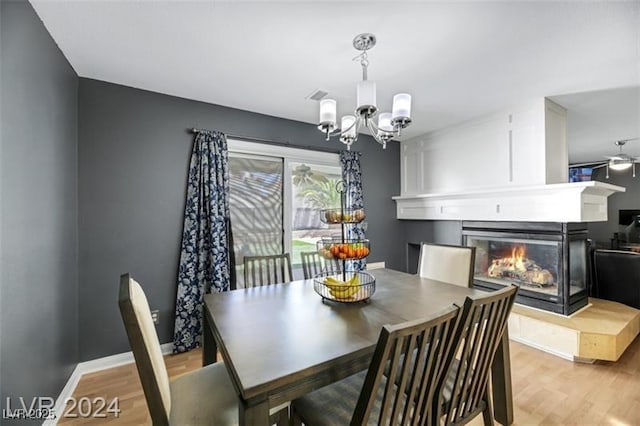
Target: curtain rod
<point>269,141</point>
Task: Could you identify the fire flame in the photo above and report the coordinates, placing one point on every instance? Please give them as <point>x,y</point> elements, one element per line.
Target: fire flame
<point>516,262</point>
<point>519,267</point>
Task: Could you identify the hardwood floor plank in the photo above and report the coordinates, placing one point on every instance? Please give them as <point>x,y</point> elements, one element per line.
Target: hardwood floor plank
<point>547,390</point>
<point>123,383</point>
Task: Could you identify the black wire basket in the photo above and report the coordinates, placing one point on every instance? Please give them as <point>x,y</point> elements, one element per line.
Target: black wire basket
<point>347,287</point>
<point>343,248</point>
<point>332,216</point>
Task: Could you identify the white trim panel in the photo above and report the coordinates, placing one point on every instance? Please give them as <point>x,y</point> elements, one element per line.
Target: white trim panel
<point>566,202</point>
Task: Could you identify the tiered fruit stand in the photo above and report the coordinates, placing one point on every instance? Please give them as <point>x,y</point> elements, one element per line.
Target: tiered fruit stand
<point>345,286</point>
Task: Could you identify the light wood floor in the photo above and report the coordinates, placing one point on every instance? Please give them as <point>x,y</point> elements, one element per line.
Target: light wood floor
<point>547,390</point>
<point>123,383</point>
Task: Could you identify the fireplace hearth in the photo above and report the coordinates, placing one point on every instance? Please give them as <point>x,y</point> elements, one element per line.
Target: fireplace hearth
<point>547,260</point>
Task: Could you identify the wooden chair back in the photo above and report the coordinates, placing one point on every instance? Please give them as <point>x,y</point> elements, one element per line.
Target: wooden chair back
<point>414,354</point>
<point>265,270</point>
<point>483,321</point>
<point>447,263</point>
<point>145,345</point>
<point>313,264</point>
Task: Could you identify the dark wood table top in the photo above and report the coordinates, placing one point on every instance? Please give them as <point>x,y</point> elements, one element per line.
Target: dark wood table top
<point>273,337</point>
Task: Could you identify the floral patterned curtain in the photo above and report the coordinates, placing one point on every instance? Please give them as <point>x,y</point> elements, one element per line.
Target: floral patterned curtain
<point>206,261</point>
<point>352,177</point>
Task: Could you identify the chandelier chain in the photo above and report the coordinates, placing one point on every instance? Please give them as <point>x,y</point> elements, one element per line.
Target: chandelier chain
<point>364,62</point>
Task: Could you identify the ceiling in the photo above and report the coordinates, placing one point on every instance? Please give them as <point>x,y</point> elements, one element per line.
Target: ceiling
<point>596,119</point>
<point>459,60</point>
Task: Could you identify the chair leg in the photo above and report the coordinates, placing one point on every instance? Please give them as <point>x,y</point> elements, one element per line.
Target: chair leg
<point>294,418</point>
<point>280,418</point>
<point>487,413</point>
<point>283,417</point>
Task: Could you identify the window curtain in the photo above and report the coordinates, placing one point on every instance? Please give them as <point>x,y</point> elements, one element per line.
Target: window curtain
<point>352,177</point>
<point>206,259</point>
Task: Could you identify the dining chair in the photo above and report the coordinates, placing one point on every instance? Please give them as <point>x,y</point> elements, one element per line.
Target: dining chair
<point>370,397</point>
<point>202,397</point>
<point>313,264</point>
<point>265,270</point>
<point>447,263</point>
<point>464,393</point>
<point>617,275</point>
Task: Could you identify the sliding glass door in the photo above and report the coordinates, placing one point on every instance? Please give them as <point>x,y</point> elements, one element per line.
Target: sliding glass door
<point>256,207</point>
<point>276,194</point>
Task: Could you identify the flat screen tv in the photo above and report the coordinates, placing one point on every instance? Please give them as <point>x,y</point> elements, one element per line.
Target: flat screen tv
<point>580,174</point>
<point>625,217</point>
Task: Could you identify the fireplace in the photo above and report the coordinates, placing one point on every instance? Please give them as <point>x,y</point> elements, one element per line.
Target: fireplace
<point>547,260</point>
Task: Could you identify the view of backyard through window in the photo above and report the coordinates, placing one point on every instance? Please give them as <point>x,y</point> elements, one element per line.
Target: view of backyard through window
<point>256,205</point>
<point>313,188</point>
<point>259,196</point>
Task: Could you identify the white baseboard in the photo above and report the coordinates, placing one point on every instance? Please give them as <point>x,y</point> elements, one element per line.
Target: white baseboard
<point>375,265</point>
<point>116,360</point>
<point>92,366</point>
<point>66,392</point>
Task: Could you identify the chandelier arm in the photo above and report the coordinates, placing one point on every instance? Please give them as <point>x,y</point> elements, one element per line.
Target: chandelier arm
<point>333,134</point>
<point>355,124</point>
<point>339,132</point>
<point>371,124</point>
<point>375,132</point>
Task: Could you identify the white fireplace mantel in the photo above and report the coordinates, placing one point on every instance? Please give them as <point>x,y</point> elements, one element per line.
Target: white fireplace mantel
<point>563,202</point>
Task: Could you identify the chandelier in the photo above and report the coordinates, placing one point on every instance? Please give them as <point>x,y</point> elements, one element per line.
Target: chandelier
<point>389,124</point>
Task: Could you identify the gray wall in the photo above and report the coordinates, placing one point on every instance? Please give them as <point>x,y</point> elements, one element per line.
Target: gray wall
<point>133,157</point>
<point>602,232</point>
<point>39,311</point>
<point>1,204</point>
<point>433,231</point>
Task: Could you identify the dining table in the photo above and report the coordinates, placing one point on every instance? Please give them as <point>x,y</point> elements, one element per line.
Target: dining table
<point>282,341</point>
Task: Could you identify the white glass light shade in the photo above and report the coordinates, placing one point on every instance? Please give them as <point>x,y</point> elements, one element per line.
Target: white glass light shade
<point>366,95</point>
<point>348,127</point>
<point>619,164</point>
<point>401,106</point>
<point>384,122</point>
<point>328,112</point>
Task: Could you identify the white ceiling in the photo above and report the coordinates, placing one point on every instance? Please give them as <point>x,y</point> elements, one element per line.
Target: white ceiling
<point>598,118</point>
<point>458,59</point>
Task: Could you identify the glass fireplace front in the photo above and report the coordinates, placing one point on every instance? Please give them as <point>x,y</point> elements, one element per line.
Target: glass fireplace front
<point>547,261</point>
